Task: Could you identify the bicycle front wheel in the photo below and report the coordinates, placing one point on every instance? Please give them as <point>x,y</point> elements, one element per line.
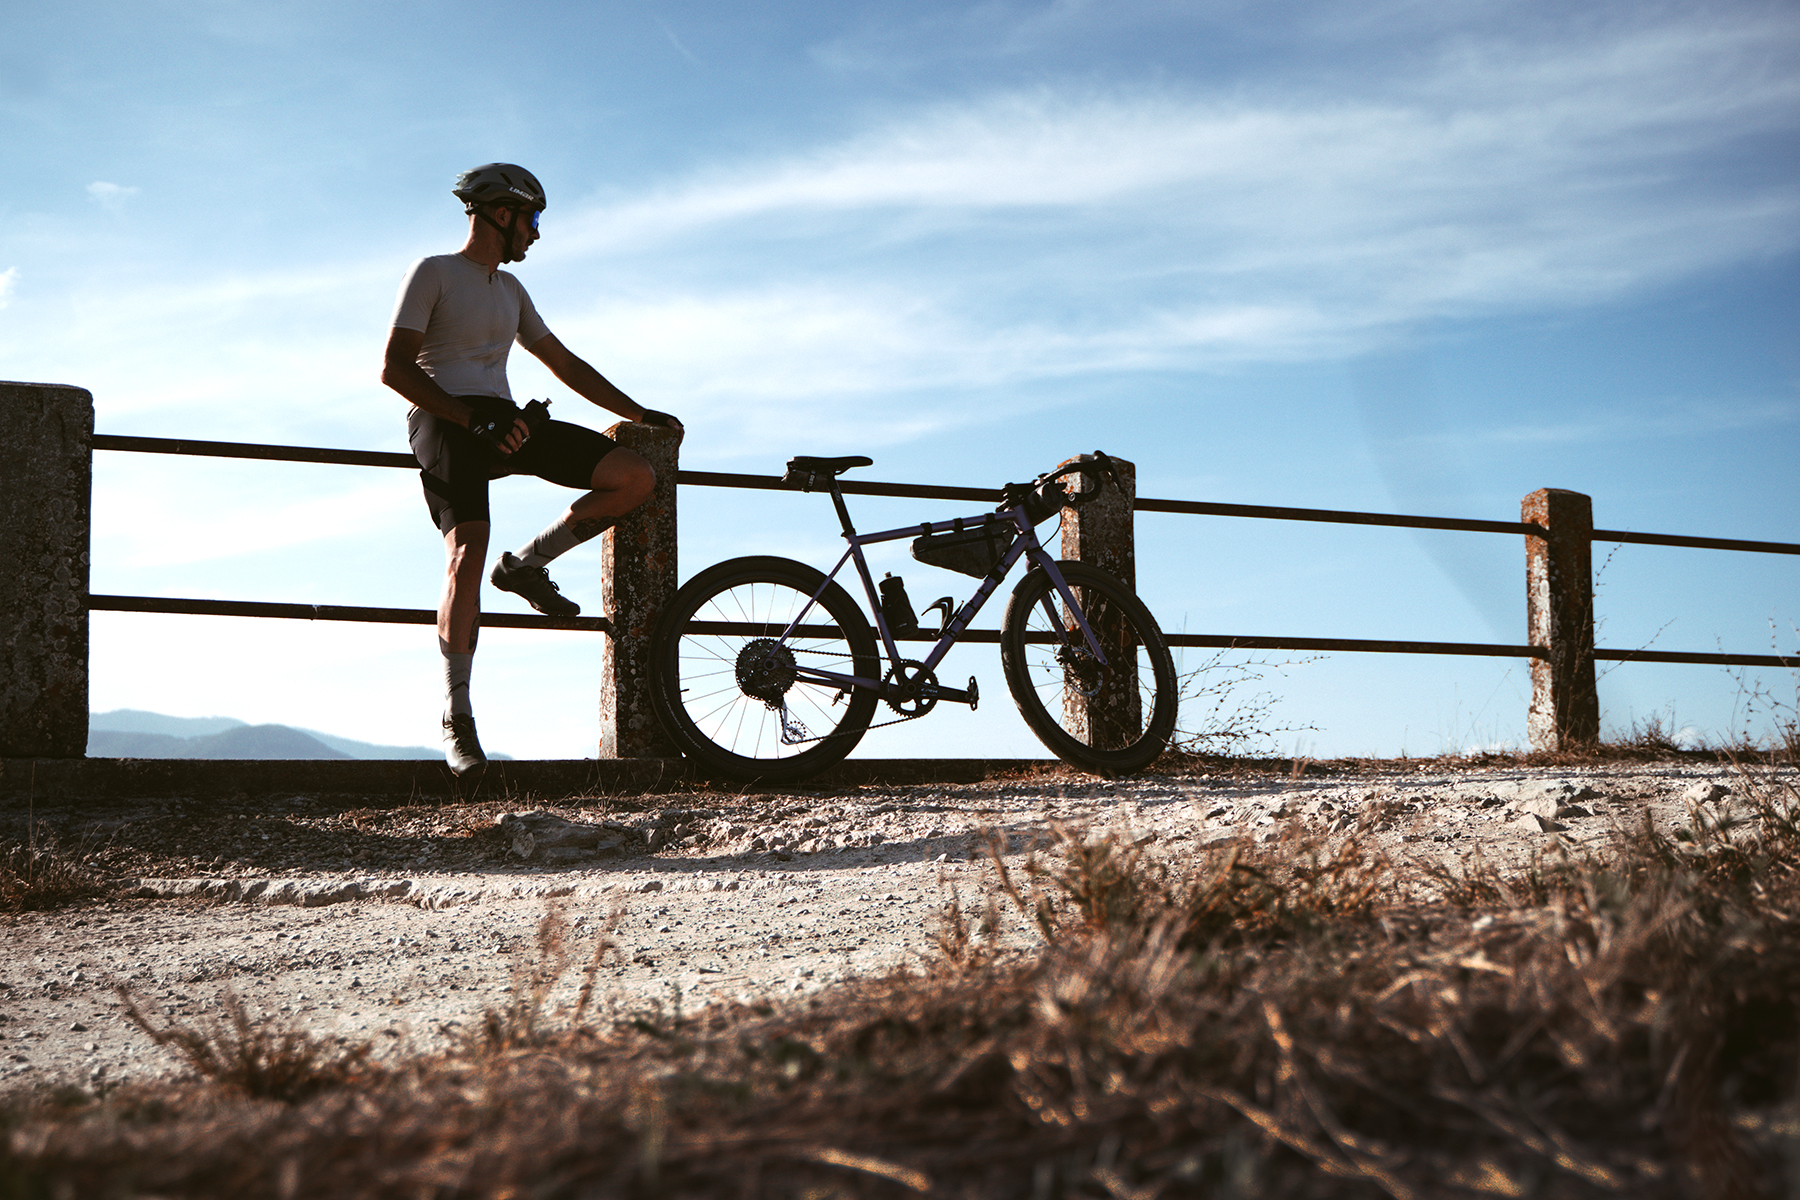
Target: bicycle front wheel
<point>1112,718</point>
<point>724,679</point>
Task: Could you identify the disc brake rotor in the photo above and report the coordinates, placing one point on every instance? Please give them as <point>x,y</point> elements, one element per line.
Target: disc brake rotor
<point>1084,672</point>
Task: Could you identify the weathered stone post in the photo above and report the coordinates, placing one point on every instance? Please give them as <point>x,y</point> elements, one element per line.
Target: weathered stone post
<point>638,556</point>
<point>1559,616</point>
<point>1101,533</point>
<point>46,484</point>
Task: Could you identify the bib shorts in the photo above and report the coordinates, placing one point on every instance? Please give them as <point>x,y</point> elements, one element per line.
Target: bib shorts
<point>456,467</point>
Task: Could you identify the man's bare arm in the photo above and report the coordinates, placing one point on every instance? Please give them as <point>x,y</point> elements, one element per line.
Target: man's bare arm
<point>574,370</point>
<point>401,371</point>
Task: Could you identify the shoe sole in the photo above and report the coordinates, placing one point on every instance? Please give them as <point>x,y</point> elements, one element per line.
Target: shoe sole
<point>471,772</point>
<point>573,611</point>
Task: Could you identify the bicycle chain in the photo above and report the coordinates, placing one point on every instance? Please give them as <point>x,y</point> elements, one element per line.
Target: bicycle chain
<point>825,737</point>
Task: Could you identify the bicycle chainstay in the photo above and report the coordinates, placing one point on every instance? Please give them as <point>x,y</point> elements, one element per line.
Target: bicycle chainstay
<point>825,737</point>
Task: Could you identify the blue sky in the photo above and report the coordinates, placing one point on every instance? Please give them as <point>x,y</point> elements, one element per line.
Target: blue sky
<point>1382,256</point>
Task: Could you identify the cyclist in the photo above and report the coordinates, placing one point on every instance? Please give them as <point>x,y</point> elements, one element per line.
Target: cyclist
<point>454,322</point>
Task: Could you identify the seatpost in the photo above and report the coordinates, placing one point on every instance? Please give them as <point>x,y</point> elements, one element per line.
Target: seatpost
<point>837,498</point>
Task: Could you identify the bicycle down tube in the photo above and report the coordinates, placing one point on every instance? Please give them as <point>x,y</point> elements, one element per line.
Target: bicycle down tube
<point>1026,544</point>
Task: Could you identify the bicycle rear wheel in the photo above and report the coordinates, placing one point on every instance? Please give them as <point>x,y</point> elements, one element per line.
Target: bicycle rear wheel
<point>1110,719</point>
<point>729,697</point>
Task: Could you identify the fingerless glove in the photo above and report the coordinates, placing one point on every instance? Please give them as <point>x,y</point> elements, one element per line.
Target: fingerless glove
<point>492,419</point>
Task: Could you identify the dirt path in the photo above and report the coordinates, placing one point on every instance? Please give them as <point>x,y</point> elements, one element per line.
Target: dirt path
<point>401,926</point>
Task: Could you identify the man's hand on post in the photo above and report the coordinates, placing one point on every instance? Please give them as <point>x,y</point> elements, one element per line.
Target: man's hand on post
<point>666,420</point>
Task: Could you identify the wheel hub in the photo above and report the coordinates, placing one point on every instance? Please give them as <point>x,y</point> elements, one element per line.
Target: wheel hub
<point>765,670</point>
<point>1084,671</point>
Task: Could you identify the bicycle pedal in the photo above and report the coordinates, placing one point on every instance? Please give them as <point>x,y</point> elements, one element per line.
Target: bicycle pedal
<point>970,697</point>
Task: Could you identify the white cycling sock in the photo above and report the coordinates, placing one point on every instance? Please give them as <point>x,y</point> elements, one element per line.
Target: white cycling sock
<point>562,536</point>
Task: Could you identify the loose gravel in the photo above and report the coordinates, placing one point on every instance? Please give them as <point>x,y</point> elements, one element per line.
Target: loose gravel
<point>401,926</point>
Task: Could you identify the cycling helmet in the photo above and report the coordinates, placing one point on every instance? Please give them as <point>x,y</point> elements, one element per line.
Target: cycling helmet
<point>501,185</point>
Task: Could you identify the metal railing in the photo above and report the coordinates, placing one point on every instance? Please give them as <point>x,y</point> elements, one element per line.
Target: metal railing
<point>376,458</point>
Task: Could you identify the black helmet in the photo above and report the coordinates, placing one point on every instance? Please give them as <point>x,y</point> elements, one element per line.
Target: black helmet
<point>499,183</point>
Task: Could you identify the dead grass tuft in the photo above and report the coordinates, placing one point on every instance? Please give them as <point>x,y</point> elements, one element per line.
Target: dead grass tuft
<point>254,1057</point>
<point>40,874</point>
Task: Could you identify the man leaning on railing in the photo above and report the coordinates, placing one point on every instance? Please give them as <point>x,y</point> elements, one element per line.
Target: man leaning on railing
<point>454,322</point>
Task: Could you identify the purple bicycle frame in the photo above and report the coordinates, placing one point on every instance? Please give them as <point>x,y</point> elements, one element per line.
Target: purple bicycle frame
<point>1025,544</point>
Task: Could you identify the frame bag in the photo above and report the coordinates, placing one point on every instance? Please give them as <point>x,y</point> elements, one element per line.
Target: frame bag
<point>965,551</point>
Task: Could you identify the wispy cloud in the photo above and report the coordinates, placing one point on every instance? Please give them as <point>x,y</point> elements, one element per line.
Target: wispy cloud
<point>1039,233</point>
<point>110,196</point>
<point>9,279</point>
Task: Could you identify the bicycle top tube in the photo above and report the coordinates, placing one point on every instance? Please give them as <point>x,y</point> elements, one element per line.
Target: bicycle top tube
<point>954,525</point>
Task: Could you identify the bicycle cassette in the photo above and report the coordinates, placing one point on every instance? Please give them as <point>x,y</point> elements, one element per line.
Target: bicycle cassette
<point>765,670</point>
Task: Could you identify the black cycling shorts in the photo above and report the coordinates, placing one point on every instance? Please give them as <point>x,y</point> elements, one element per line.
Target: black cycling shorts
<point>455,465</point>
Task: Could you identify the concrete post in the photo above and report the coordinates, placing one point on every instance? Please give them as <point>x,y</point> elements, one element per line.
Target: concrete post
<point>46,483</point>
<point>1101,534</point>
<point>1559,617</point>
<point>638,556</point>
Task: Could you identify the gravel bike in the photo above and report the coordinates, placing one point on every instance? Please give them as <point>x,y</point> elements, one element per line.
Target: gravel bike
<point>764,668</point>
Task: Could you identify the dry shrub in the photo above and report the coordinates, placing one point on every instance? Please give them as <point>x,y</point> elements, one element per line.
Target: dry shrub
<point>528,1022</point>
<point>254,1057</point>
<point>41,874</point>
<point>1089,883</point>
<point>1279,1020</point>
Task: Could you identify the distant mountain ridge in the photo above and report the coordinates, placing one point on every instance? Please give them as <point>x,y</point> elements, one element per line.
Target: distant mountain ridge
<point>134,733</point>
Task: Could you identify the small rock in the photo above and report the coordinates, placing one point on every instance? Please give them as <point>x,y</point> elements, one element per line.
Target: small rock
<point>1573,810</point>
<point>654,885</point>
<point>1543,807</point>
<point>78,1027</point>
<point>1533,823</point>
<point>533,834</point>
<point>1705,792</point>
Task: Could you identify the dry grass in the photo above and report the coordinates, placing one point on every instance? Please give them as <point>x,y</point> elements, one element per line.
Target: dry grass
<point>1302,1019</point>
<point>40,874</point>
<point>256,1058</point>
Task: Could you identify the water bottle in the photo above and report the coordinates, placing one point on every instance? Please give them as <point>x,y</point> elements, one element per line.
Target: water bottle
<point>895,607</point>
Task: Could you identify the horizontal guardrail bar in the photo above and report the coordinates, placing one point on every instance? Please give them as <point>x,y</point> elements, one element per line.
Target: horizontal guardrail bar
<point>332,612</point>
<point>423,616</point>
<point>1678,656</point>
<point>313,454</point>
<point>772,483</point>
<point>1676,539</point>
<point>1267,512</point>
<point>1360,645</point>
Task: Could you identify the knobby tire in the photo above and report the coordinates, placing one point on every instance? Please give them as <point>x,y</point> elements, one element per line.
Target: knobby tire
<point>1128,720</point>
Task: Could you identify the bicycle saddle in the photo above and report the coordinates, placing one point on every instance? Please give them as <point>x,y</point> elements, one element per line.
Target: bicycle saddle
<point>809,465</point>
<point>803,470</point>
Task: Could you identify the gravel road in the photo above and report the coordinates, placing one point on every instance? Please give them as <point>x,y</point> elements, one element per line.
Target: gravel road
<point>400,926</point>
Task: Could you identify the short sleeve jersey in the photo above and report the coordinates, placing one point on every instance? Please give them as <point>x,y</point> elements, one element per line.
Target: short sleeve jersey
<point>470,317</point>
